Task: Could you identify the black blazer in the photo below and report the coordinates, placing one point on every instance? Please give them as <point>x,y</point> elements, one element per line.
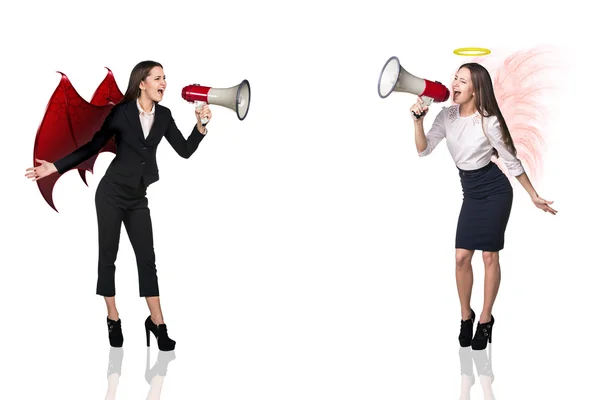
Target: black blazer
<point>136,156</point>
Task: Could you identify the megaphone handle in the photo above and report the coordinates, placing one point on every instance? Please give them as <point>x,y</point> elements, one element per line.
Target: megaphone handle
<point>198,105</point>
<point>426,102</point>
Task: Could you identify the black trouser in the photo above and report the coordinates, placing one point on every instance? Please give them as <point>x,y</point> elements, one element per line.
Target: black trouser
<point>116,204</point>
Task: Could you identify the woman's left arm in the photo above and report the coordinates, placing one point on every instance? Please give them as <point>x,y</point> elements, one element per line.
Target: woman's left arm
<point>185,148</point>
<point>537,200</point>
<point>515,167</point>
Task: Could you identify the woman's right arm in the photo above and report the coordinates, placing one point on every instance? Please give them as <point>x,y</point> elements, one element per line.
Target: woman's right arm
<point>76,157</point>
<point>89,149</point>
<point>420,139</point>
<point>426,143</point>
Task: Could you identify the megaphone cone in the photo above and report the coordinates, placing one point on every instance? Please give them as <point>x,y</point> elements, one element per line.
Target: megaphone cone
<point>236,98</point>
<point>394,78</point>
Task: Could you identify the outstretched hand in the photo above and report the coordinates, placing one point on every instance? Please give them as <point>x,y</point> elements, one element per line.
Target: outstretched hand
<point>41,171</point>
<point>543,205</point>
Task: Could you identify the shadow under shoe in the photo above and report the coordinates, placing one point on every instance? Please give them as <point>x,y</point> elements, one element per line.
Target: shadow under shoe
<point>483,335</point>
<point>165,343</point>
<point>115,361</point>
<point>466,372</point>
<point>466,331</point>
<point>115,334</point>
<point>466,361</point>
<point>160,366</point>
<point>483,364</point>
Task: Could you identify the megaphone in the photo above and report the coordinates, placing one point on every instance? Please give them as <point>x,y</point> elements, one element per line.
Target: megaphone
<point>236,98</point>
<point>394,78</point>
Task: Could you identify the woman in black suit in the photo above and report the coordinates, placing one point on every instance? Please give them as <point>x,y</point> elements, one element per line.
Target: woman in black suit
<point>138,123</point>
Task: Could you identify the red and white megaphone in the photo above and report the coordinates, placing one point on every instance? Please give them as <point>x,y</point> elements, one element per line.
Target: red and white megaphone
<point>236,98</point>
<point>394,78</point>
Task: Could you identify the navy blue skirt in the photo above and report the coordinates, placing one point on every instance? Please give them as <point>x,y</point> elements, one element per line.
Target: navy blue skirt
<point>487,202</point>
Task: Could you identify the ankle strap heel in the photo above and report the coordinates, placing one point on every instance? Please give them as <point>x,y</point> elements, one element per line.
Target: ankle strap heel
<point>466,331</point>
<point>483,335</point>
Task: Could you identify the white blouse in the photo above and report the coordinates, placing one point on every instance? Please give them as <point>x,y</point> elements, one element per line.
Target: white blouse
<point>146,119</point>
<point>467,143</point>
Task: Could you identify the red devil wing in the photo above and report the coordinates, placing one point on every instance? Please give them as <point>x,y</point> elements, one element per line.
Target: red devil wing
<point>69,122</point>
<point>107,93</point>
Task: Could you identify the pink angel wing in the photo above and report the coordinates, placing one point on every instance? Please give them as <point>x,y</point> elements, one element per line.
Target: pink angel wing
<point>526,85</point>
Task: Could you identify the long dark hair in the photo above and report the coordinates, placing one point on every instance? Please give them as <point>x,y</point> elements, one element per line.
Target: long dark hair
<point>486,103</point>
<point>138,74</point>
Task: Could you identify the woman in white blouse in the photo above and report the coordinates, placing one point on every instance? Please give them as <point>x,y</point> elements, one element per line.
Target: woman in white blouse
<point>474,129</point>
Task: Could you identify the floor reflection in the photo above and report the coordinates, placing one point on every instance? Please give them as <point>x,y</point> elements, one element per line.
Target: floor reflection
<point>483,366</point>
<point>115,361</point>
<point>155,376</point>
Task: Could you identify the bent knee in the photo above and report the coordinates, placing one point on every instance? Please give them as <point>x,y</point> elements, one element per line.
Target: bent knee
<point>463,258</point>
<point>491,258</point>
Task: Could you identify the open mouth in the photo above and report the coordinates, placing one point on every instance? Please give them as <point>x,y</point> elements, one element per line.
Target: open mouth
<point>456,94</point>
<point>161,91</point>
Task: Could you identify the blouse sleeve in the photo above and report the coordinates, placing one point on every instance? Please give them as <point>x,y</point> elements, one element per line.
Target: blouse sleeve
<point>494,132</point>
<point>436,133</point>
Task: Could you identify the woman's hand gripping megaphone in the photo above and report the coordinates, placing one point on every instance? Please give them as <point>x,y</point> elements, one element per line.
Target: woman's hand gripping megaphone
<point>203,113</point>
<point>420,108</point>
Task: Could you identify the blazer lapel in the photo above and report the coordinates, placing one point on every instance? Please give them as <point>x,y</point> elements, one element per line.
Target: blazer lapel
<point>157,125</point>
<point>133,117</point>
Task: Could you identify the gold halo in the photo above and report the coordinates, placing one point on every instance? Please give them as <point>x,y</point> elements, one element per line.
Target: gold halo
<point>472,51</point>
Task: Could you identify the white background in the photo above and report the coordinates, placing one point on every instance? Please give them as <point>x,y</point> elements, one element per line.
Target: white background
<point>306,252</point>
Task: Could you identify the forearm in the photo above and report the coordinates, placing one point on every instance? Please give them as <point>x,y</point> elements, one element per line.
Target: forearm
<point>186,147</point>
<point>78,156</point>
<point>201,129</point>
<point>420,139</point>
<point>100,138</point>
<point>526,183</point>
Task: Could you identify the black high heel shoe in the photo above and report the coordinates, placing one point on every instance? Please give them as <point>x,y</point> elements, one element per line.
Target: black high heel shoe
<point>115,334</point>
<point>165,343</point>
<point>466,331</point>
<point>483,335</point>
<point>160,366</point>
